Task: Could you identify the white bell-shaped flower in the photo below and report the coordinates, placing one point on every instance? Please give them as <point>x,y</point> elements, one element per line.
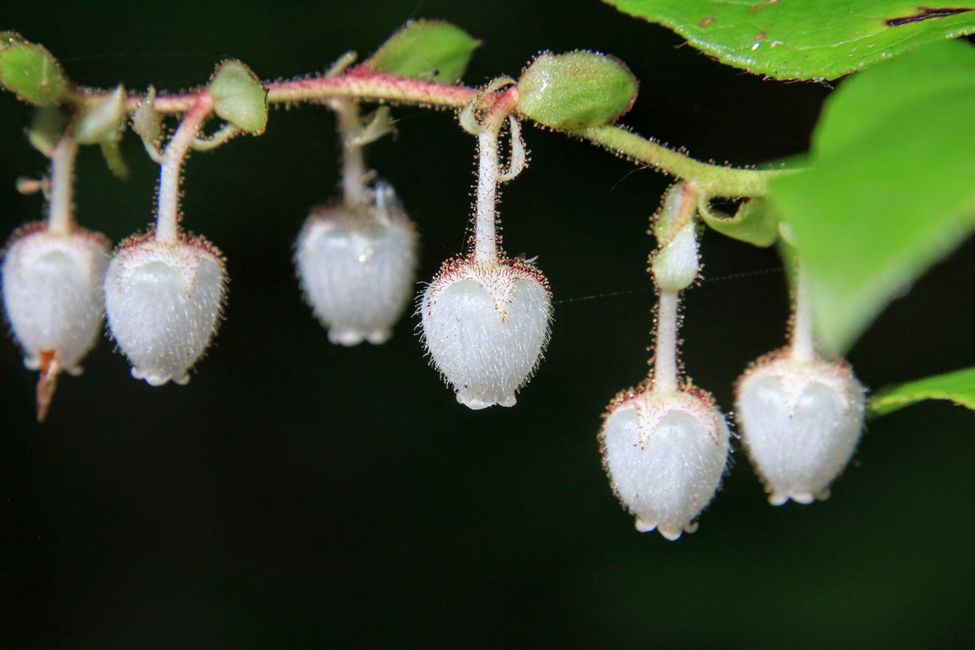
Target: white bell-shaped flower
<point>163,303</point>
<point>52,291</point>
<point>357,267</point>
<point>485,326</point>
<point>800,421</point>
<point>665,453</point>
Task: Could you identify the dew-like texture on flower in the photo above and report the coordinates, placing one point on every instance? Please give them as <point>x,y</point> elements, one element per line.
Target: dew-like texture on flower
<point>665,454</point>
<point>357,269</point>
<point>800,422</point>
<point>485,326</point>
<point>52,292</point>
<point>163,303</point>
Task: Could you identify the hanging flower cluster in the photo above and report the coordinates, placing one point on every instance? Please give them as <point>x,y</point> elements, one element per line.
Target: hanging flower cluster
<point>665,444</point>
<point>485,317</point>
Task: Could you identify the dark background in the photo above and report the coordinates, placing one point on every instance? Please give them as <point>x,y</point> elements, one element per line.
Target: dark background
<point>296,494</point>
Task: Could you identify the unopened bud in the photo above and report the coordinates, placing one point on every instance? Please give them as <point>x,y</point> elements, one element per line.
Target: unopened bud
<point>357,267</point>
<point>664,453</point>
<point>675,263</point>
<point>485,325</point>
<point>52,291</point>
<point>163,303</point>
<point>800,421</point>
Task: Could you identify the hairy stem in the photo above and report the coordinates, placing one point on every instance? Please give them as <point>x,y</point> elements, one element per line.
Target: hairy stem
<point>354,170</point>
<point>60,216</point>
<point>485,227</point>
<point>167,217</point>
<point>802,347</point>
<point>363,84</point>
<point>710,180</point>
<point>665,348</point>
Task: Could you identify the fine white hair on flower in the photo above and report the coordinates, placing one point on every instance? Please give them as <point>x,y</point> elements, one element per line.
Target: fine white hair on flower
<point>357,267</point>
<point>163,303</point>
<point>664,453</point>
<point>800,422</point>
<point>485,326</point>
<point>52,293</point>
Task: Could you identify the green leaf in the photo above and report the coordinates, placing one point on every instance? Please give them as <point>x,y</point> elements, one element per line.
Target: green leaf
<point>32,73</point>
<point>805,39</point>
<point>103,122</point>
<point>430,50</point>
<point>239,97</point>
<point>753,222</point>
<point>576,90</point>
<point>958,387</point>
<point>889,190</point>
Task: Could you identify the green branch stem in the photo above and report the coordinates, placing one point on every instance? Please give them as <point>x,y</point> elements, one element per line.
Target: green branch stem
<point>708,180</point>
<point>365,85</point>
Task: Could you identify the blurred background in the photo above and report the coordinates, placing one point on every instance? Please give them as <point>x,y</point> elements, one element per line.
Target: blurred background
<point>296,494</point>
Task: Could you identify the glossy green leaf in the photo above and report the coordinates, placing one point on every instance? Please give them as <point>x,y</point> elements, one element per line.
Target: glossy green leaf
<point>889,190</point>
<point>239,97</point>
<point>430,50</point>
<point>32,73</point>
<point>806,39</point>
<point>753,222</point>
<point>576,90</point>
<point>958,387</point>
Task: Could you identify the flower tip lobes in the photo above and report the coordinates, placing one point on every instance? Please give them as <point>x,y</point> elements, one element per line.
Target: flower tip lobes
<point>664,453</point>
<point>163,303</point>
<point>485,326</point>
<point>52,292</point>
<point>357,267</point>
<point>800,422</point>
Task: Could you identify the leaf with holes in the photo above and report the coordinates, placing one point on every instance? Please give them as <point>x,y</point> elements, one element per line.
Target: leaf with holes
<point>805,39</point>
<point>752,223</point>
